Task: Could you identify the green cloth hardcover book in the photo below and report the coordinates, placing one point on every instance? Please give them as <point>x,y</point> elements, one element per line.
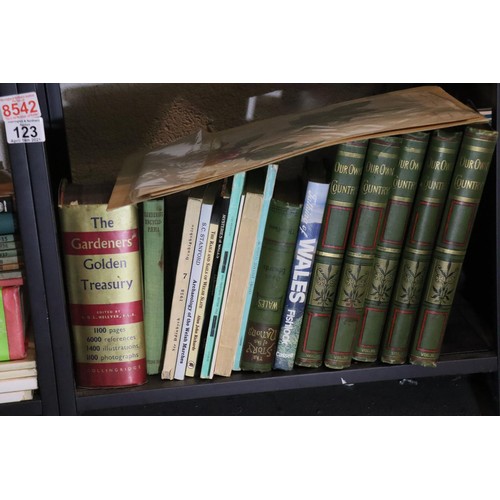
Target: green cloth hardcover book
<point>344,183</point>
<point>391,243</point>
<point>154,329</point>
<point>268,299</point>
<point>456,226</point>
<point>378,174</point>
<point>424,224</point>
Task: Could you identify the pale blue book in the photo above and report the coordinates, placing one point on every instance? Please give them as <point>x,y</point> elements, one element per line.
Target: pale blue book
<point>232,219</point>
<point>300,275</point>
<point>272,171</point>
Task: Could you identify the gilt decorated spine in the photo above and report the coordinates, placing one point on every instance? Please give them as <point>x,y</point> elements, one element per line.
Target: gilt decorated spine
<point>469,177</point>
<point>419,244</point>
<point>343,190</point>
<point>378,174</point>
<point>387,256</point>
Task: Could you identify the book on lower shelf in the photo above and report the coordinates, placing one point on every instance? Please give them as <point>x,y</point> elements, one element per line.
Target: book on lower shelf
<point>269,294</point>
<point>467,185</point>
<point>419,243</point>
<point>153,220</point>
<point>301,270</point>
<point>102,256</point>
<point>242,265</point>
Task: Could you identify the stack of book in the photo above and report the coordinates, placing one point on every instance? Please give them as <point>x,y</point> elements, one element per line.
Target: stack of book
<point>18,379</point>
<point>357,258</point>
<point>13,313</point>
<point>361,267</point>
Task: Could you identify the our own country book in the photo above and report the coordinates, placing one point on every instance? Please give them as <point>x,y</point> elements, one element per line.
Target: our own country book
<point>344,183</point>
<point>232,315</point>
<point>272,171</point>
<point>271,283</point>
<point>102,256</point>
<point>153,219</point>
<point>203,295</point>
<point>235,196</point>
<point>302,265</point>
<point>378,174</point>
<point>387,256</point>
<point>190,309</point>
<point>469,177</point>
<point>182,275</point>
<point>426,215</point>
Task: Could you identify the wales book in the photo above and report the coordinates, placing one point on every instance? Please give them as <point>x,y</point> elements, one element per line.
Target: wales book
<point>300,273</point>
<point>391,242</point>
<point>419,243</point>
<point>269,294</point>
<point>469,177</point>
<point>378,174</point>
<point>153,217</point>
<point>344,184</point>
<point>102,257</point>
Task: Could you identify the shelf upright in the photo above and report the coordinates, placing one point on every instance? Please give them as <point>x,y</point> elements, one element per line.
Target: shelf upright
<point>19,156</point>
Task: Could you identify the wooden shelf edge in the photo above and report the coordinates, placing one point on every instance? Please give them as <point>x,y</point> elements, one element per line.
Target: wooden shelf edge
<point>158,391</point>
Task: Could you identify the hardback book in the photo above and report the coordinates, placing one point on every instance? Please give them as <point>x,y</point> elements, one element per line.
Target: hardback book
<point>13,343</point>
<point>11,254</point>
<point>102,257</point>
<point>8,223</point>
<point>378,174</point>
<point>12,274</point>
<point>204,291</point>
<point>182,275</point>
<point>233,218</point>
<point>419,243</point>
<point>212,190</point>
<point>467,184</point>
<point>391,243</point>
<point>271,283</point>
<point>272,171</point>
<point>345,177</point>
<point>16,396</point>
<point>153,220</point>
<point>302,265</point>
<point>237,285</point>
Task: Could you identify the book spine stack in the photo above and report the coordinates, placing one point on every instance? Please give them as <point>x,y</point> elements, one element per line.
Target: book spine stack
<point>390,245</point>
<point>343,190</point>
<point>300,275</point>
<point>381,162</point>
<point>261,333</point>
<point>466,188</point>
<point>420,239</point>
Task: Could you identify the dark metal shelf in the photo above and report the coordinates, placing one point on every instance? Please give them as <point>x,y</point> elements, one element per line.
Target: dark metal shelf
<point>161,391</point>
<point>22,408</point>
